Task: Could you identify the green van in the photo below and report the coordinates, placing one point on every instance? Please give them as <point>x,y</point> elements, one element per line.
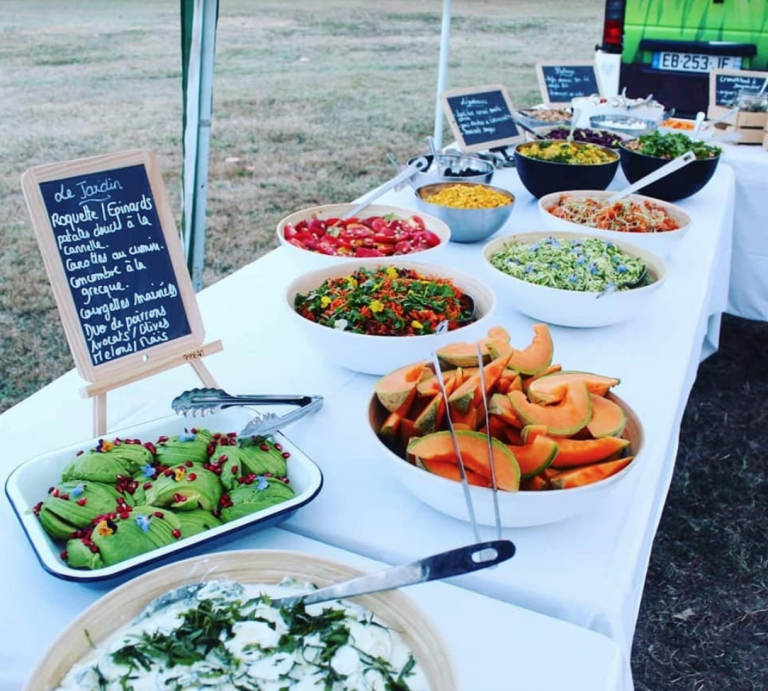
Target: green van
<point>668,47</point>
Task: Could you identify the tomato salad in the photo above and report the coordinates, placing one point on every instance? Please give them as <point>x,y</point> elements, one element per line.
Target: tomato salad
<point>374,236</point>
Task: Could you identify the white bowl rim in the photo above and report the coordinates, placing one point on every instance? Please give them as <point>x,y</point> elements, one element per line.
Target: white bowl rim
<point>667,206</point>
<point>653,261</point>
<point>347,267</point>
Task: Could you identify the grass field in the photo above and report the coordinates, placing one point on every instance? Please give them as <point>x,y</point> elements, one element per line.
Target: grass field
<point>309,98</point>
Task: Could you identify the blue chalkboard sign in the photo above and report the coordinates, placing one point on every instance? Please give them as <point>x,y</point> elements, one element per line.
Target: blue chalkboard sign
<point>114,259</point>
<point>561,83</point>
<point>481,118</point>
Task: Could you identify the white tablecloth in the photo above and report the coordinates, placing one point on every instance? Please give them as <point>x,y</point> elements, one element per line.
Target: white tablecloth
<point>588,571</point>
<point>493,644</point>
<point>748,295</point>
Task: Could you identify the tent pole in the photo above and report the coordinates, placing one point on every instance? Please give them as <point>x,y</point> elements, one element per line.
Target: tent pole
<point>207,53</point>
<point>445,33</point>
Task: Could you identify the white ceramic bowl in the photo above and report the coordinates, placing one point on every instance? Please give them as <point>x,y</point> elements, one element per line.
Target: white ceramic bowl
<point>517,509</point>
<point>382,354</point>
<point>120,606</point>
<point>28,484</point>
<point>663,243</point>
<point>569,307</point>
<point>315,260</point>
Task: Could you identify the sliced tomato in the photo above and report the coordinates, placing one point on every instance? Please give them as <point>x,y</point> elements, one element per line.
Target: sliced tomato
<point>367,252</point>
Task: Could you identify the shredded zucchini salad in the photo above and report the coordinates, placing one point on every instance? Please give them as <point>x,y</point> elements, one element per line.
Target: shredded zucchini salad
<point>581,264</point>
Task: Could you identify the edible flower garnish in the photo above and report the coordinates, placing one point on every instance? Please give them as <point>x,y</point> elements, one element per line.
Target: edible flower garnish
<point>261,483</point>
<point>187,436</point>
<point>77,490</point>
<point>143,522</point>
<point>104,445</point>
<point>386,301</point>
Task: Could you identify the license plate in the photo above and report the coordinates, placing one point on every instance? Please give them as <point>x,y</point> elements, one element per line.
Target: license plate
<point>694,62</point>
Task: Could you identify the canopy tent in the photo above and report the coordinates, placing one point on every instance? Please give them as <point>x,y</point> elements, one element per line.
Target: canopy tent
<point>198,46</point>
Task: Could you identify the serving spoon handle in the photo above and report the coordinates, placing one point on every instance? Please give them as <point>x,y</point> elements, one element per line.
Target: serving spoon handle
<point>666,169</point>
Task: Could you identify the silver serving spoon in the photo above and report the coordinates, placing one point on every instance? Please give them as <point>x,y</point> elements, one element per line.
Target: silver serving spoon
<point>444,565</point>
<point>613,287</point>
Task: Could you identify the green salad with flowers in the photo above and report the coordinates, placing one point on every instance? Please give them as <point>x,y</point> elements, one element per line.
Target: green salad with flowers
<point>581,264</point>
<point>387,301</point>
<point>671,145</point>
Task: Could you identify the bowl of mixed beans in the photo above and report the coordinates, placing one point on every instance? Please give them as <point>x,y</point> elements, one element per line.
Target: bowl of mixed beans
<point>472,211</point>
<point>551,165</point>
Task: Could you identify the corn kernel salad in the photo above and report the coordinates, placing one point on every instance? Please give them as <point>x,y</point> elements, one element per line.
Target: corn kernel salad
<point>386,301</point>
<point>582,264</point>
<point>567,152</point>
<point>469,197</point>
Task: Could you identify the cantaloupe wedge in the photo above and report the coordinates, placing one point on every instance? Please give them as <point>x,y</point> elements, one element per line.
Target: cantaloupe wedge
<point>527,381</point>
<point>587,475</point>
<point>535,457</point>
<point>551,388</point>
<point>563,419</point>
<point>534,484</point>
<point>391,425</point>
<point>462,354</point>
<point>578,452</point>
<point>451,471</point>
<point>393,389</point>
<point>532,359</point>
<point>608,418</point>
<point>429,386</point>
<point>500,406</point>
<point>430,419</point>
<point>469,393</point>
<point>474,454</point>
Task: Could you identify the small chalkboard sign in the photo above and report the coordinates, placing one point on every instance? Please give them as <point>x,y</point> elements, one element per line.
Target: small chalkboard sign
<point>561,83</point>
<point>726,85</point>
<point>481,117</point>
<point>115,262</point>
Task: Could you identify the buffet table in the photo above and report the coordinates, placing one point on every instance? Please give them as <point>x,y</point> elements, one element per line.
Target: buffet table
<point>748,295</point>
<point>588,571</point>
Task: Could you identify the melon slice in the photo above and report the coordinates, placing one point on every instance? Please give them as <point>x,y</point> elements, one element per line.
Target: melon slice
<point>551,388</point>
<point>430,386</point>
<point>535,457</point>
<point>500,406</point>
<point>608,418</point>
<point>451,471</point>
<point>578,477</point>
<point>469,393</point>
<point>578,452</point>
<point>530,432</point>
<point>473,447</point>
<point>392,422</point>
<point>532,359</point>
<point>393,389</point>
<point>527,381</point>
<point>430,419</point>
<point>564,419</point>
<point>499,333</point>
<point>407,430</point>
<point>462,355</point>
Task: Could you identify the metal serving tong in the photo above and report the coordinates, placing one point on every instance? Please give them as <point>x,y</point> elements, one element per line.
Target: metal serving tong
<point>455,562</point>
<point>204,401</point>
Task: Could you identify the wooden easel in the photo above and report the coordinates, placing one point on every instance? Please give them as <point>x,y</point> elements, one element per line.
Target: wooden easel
<point>116,265</point>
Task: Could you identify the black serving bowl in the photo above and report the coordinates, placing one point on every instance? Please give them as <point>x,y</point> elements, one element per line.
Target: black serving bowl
<point>683,183</point>
<point>542,177</point>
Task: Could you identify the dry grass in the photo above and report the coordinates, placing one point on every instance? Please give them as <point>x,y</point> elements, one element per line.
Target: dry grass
<point>310,96</point>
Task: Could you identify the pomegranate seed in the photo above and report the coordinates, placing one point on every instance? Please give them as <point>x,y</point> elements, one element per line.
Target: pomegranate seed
<point>63,554</point>
<point>188,464</point>
<point>191,477</point>
<point>286,454</point>
<point>158,514</point>
<point>176,533</point>
<point>81,502</point>
<point>147,485</point>
<point>264,447</point>
<point>162,439</point>
<point>168,472</point>
<point>234,470</point>
<point>95,549</point>
<point>278,447</point>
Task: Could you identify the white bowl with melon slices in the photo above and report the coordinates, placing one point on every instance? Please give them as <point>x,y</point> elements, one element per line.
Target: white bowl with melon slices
<point>561,440</point>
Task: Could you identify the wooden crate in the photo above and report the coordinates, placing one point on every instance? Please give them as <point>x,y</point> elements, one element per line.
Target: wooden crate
<point>751,127</point>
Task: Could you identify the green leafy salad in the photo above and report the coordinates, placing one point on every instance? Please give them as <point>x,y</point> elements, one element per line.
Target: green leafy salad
<point>671,145</point>
<point>581,264</point>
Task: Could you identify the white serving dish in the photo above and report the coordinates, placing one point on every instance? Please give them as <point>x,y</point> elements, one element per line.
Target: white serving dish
<point>572,308</point>
<point>382,354</point>
<point>314,260</point>
<point>663,243</point>
<point>517,509</point>
<point>28,484</point>
<point>123,604</point>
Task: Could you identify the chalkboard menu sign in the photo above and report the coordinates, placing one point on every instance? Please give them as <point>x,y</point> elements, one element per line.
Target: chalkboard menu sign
<point>481,117</point>
<point>560,83</point>
<point>726,85</point>
<point>114,260</point>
